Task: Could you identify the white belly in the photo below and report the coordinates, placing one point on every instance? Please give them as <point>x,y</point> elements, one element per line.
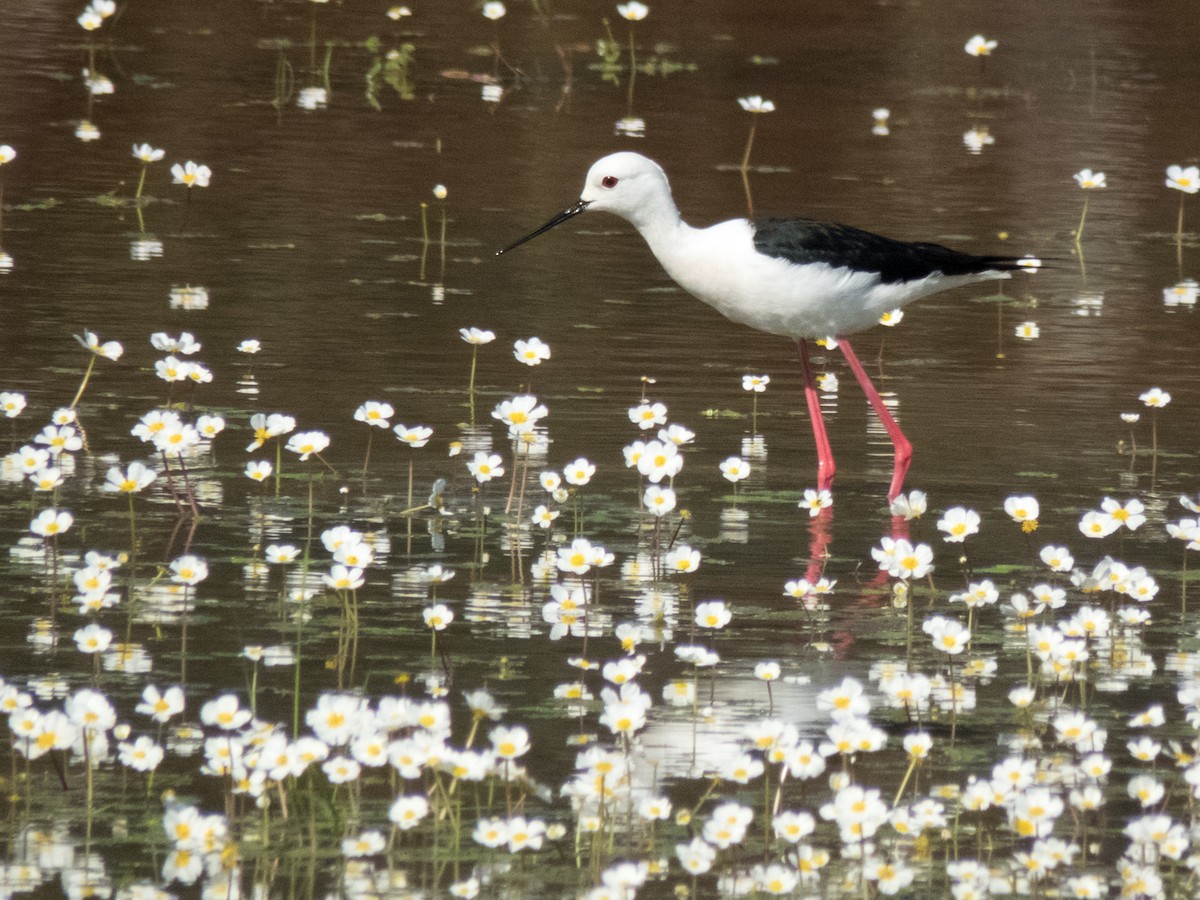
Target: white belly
<point>720,266</point>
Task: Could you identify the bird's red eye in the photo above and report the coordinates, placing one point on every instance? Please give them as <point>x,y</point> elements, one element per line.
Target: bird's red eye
<point>609,181</point>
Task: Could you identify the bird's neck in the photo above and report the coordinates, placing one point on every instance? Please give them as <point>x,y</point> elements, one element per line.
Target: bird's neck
<point>661,226</point>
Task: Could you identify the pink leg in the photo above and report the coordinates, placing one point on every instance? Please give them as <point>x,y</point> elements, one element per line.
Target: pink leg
<point>899,441</point>
<point>825,467</point>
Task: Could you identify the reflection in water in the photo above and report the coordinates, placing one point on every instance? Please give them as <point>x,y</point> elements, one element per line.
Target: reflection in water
<point>976,138</point>
<point>1090,303</point>
<point>1181,294</point>
<point>189,297</point>
<point>881,117</point>
<point>312,98</point>
<point>145,247</point>
<point>630,126</point>
<point>87,131</point>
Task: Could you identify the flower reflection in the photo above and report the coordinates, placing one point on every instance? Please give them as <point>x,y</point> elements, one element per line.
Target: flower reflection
<point>87,131</point>
<point>96,83</point>
<point>880,126</point>
<point>145,247</point>
<point>735,525</point>
<point>189,297</point>
<point>630,126</point>
<point>977,138</point>
<point>312,98</point>
<point>1088,304</point>
<point>1184,293</point>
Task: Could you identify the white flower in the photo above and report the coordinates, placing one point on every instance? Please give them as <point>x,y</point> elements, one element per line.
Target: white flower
<point>189,570</point>
<point>485,466</point>
<point>477,336</point>
<point>258,470</point>
<point>93,639</point>
<point>374,413</point>
<point>1181,179</point>
<point>416,436</point>
<point>51,522</point>
<point>756,104</point>
<point>147,154</point>
<point>633,10</point>
<point>647,416</point>
<point>1022,509</point>
<point>438,616</point>
<point>815,501</point>
<point>1155,397</point>
<point>531,352</point>
<point>306,443</point>
<point>979,46</point>
<point>755,383</point>
<point>191,174</point>
<point>11,404</point>
<point>735,469</point>
<point>109,349</point>
<point>659,500</point>
<point>682,558</point>
<point>137,477</point>
<point>911,507</point>
<point>948,635</point>
<point>1098,524</point>
<point>1088,180</point>
<point>494,10</point>
<point>713,614</point>
<point>958,523</point>
<point>407,812</point>
<point>579,472</point>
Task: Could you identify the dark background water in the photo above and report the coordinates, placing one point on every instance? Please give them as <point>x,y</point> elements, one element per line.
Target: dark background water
<point>309,239</point>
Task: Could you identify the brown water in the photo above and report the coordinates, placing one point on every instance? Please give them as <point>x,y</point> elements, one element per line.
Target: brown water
<point>310,239</point>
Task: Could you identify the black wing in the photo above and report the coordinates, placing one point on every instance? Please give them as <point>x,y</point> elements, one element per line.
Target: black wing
<point>803,241</point>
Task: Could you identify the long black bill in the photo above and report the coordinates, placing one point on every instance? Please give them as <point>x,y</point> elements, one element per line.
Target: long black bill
<point>567,213</point>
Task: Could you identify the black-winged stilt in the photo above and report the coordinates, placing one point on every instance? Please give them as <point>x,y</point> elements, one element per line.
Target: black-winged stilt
<point>793,277</point>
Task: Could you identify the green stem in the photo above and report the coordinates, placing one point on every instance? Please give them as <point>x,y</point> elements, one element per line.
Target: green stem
<point>141,183</point>
<point>367,457</point>
<point>471,382</point>
<point>312,43</point>
<point>1082,219</point>
<point>632,73</point>
<point>83,384</point>
<point>912,765</point>
<point>749,142</point>
<point>254,688</point>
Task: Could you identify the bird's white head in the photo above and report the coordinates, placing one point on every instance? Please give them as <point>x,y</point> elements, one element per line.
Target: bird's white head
<point>627,184</point>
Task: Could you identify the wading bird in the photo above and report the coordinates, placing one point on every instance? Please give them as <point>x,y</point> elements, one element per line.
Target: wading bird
<point>793,277</point>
